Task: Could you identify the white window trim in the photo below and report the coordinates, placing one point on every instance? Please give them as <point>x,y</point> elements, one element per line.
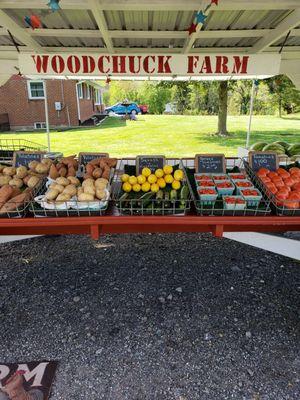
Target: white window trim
<point>81,90</point>
<point>29,89</point>
<point>41,123</point>
<point>88,92</point>
<point>98,100</point>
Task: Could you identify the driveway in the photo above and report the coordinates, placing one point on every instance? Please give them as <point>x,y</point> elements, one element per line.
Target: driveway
<point>153,317</point>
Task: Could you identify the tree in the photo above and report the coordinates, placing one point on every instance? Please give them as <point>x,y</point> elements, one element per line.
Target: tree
<point>286,95</point>
<point>222,116</point>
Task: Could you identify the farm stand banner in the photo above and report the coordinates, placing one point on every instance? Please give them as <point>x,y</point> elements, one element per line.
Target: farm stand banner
<point>149,65</point>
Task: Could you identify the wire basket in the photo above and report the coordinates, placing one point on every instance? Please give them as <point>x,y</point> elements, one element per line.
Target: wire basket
<point>72,208</point>
<point>9,146</point>
<point>233,165</point>
<point>135,205</point>
<point>22,210</point>
<point>282,207</point>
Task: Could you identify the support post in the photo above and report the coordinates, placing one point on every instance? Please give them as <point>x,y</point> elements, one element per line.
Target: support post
<point>47,116</point>
<point>254,86</point>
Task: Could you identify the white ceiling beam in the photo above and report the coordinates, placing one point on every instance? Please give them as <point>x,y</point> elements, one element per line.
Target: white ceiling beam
<point>290,22</point>
<point>167,5</point>
<point>129,34</point>
<point>102,24</point>
<point>9,52</point>
<point>18,32</point>
<point>122,34</point>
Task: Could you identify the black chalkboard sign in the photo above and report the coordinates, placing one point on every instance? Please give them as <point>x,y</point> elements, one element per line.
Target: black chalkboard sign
<point>152,162</point>
<point>210,163</point>
<point>261,159</point>
<point>25,157</point>
<point>85,158</point>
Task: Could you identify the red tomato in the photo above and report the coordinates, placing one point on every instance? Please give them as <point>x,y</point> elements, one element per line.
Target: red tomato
<point>296,186</point>
<point>292,204</point>
<point>263,172</point>
<point>281,195</point>
<point>294,170</point>
<point>265,179</point>
<point>288,182</point>
<point>295,194</point>
<point>272,174</point>
<point>283,173</point>
<point>279,184</point>
<point>271,188</point>
<point>296,177</point>
<point>284,191</point>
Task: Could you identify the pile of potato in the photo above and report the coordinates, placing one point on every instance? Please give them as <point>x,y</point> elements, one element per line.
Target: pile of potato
<point>66,167</point>
<point>64,189</point>
<point>100,168</point>
<point>25,176</point>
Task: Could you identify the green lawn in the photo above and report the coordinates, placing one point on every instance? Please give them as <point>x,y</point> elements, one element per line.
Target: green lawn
<point>170,135</point>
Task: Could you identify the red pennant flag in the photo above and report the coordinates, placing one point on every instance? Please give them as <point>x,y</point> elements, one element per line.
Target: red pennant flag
<point>192,28</point>
<point>216,2</point>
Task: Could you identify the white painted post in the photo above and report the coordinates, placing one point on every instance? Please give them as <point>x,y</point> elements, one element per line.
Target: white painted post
<point>47,116</point>
<point>251,112</point>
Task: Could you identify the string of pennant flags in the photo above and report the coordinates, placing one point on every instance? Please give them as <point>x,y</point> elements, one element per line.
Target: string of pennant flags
<point>34,20</point>
<point>201,16</point>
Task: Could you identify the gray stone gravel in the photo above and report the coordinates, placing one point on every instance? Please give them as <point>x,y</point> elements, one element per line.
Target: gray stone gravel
<point>153,317</point>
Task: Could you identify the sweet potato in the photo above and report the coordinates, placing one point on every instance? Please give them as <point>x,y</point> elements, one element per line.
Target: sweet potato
<point>63,171</point>
<point>112,162</point>
<point>53,173</point>
<point>97,173</point>
<point>106,173</point>
<point>6,193</point>
<point>95,161</point>
<point>17,201</point>
<point>71,171</point>
<point>89,169</point>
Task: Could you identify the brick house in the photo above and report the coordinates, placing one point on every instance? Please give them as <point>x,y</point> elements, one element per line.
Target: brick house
<point>70,102</point>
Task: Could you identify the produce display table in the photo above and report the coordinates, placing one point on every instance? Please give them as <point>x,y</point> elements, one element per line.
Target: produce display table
<point>95,226</point>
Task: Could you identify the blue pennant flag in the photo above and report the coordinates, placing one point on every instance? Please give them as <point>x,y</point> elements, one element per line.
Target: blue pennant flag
<point>54,5</point>
<point>200,17</point>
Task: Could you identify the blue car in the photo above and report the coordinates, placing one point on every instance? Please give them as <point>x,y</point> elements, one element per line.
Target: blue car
<point>124,108</point>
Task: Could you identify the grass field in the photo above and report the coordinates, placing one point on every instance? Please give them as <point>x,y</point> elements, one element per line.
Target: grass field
<point>169,135</point>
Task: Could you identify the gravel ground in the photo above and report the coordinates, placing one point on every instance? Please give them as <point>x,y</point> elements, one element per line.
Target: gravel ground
<point>153,317</point>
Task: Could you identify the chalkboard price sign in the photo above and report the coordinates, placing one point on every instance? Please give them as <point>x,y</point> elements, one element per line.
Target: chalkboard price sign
<point>85,158</point>
<point>210,163</point>
<point>260,159</point>
<point>152,162</point>
<point>25,157</point>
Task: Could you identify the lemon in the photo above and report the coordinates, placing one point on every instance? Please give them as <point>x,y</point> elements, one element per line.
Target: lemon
<point>146,187</point>
<point>168,169</point>
<point>161,183</point>
<point>141,179</point>
<point>132,180</point>
<point>159,173</point>
<point>152,178</point>
<point>136,187</point>
<point>126,187</point>
<point>178,175</point>
<point>146,172</point>
<point>176,185</point>
<point>154,188</point>
<point>124,177</point>
<point>168,178</point>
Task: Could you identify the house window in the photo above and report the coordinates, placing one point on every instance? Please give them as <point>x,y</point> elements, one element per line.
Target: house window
<point>36,90</point>
<point>79,91</point>
<point>40,125</point>
<point>98,99</point>
<point>88,92</point>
